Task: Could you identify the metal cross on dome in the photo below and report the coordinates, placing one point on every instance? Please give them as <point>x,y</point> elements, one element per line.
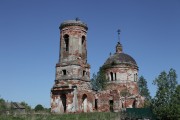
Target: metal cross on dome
<point>77,19</point>
<point>119,35</point>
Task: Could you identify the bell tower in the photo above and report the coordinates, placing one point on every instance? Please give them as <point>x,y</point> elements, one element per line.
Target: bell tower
<point>72,70</point>
<point>73,41</point>
<point>72,63</point>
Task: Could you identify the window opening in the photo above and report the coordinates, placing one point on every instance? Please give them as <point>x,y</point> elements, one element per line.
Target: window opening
<point>96,104</point>
<point>66,39</point>
<point>136,77</point>
<point>134,104</point>
<point>122,105</point>
<point>111,105</point>
<point>111,76</point>
<point>84,72</point>
<point>83,39</point>
<point>64,72</point>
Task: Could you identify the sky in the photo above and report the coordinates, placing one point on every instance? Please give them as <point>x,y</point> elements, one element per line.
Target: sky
<point>29,40</point>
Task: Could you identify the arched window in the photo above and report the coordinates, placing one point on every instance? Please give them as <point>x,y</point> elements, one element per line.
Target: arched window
<point>115,76</point>
<point>84,103</point>
<point>83,39</point>
<point>134,104</point>
<point>84,72</point>
<point>111,73</point>
<point>111,106</point>
<point>66,40</point>
<point>135,77</point>
<point>96,104</point>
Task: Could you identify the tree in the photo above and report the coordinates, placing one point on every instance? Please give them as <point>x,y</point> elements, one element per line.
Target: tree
<point>2,104</point>
<point>160,101</point>
<point>166,86</point>
<point>39,107</point>
<point>172,81</point>
<point>94,82</point>
<point>175,104</point>
<point>144,91</point>
<point>99,81</point>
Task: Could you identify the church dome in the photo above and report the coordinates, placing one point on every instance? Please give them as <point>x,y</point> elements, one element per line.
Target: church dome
<point>120,58</point>
<point>75,22</point>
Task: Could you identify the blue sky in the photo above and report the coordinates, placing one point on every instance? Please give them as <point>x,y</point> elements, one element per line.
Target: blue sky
<point>29,40</point>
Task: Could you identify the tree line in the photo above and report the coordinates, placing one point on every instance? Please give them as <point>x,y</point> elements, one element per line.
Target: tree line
<point>6,106</point>
<point>165,104</point>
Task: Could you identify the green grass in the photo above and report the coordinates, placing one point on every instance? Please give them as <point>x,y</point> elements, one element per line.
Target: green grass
<point>82,116</point>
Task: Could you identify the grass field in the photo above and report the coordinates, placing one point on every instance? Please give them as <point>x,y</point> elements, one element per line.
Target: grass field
<point>82,116</point>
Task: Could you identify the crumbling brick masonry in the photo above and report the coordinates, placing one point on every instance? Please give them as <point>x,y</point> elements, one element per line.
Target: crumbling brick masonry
<point>72,92</point>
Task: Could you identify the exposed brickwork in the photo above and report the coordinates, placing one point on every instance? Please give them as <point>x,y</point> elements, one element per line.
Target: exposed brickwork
<point>72,91</point>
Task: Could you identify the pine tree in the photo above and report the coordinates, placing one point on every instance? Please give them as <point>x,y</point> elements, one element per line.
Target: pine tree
<point>94,83</point>
<point>144,91</point>
<point>163,101</point>
<point>175,104</point>
<point>99,81</point>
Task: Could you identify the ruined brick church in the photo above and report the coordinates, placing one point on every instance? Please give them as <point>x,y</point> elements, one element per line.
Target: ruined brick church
<point>72,91</point>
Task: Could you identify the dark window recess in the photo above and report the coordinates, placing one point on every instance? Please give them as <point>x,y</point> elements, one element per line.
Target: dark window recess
<point>84,73</point>
<point>64,72</point>
<point>136,77</point>
<point>84,97</point>
<point>115,76</point>
<point>111,76</point>
<point>96,104</point>
<point>63,98</point>
<point>134,104</point>
<point>111,105</point>
<point>66,40</point>
<point>83,39</point>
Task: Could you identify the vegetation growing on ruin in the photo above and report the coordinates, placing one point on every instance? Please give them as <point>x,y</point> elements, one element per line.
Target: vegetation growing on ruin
<point>144,91</point>
<point>99,80</point>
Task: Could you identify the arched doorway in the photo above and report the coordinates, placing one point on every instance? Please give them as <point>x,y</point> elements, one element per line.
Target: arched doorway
<point>96,104</point>
<point>134,104</point>
<point>111,105</point>
<point>84,103</point>
<point>63,99</point>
